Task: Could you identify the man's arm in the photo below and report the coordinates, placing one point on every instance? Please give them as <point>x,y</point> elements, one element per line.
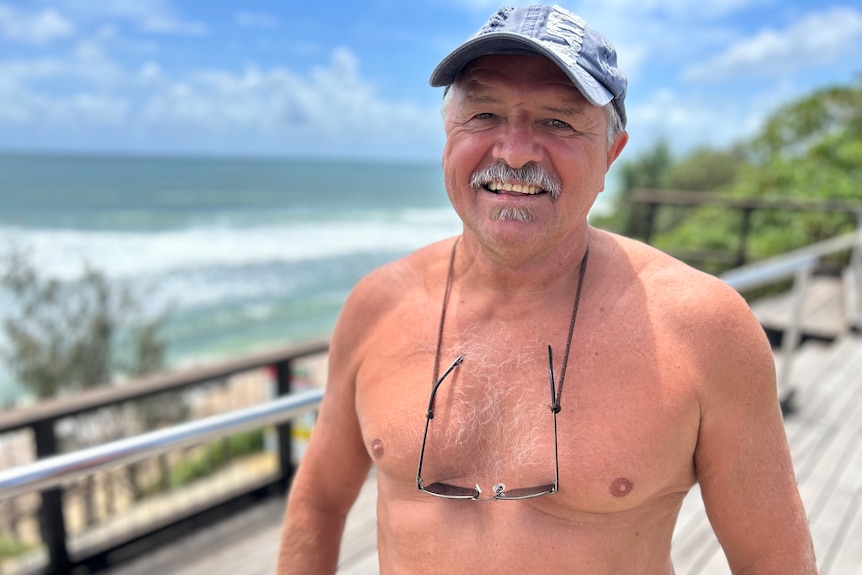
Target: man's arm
<point>742,458</point>
<point>333,468</point>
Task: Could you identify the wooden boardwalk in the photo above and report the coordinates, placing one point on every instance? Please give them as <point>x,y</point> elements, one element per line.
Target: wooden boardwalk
<point>825,435</point>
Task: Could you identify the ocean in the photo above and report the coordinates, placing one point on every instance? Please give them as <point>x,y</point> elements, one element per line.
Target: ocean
<point>245,254</point>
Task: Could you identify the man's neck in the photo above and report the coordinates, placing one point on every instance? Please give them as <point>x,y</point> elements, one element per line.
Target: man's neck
<point>521,270</point>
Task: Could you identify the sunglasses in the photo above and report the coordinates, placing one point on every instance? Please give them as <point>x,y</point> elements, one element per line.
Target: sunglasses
<point>447,491</point>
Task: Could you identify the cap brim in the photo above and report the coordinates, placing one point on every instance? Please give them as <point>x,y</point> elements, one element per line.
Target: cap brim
<point>509,43</point>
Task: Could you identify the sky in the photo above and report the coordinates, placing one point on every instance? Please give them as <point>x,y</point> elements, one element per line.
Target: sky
<point>349,78</point>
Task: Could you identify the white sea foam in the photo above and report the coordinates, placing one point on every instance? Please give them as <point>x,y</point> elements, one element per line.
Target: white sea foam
<point>62,253</point>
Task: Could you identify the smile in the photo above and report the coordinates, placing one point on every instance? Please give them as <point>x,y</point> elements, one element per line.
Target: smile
<point>523,189</point>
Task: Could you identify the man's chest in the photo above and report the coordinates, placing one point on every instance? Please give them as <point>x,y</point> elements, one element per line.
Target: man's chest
<point>625,434</point>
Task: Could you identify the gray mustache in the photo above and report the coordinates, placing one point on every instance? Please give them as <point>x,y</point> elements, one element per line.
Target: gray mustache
<point>531,174</point>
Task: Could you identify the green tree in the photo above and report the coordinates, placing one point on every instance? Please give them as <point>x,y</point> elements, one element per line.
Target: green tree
<point>649,170</point>
<point>705,170</point>
<point>809,149</point>
<point>68,336</point>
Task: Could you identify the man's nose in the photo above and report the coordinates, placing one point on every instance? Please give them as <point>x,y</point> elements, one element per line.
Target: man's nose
<point>517,143</point>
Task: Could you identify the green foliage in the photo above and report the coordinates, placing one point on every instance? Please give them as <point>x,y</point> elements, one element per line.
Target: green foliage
<point>249,442</point>
<point>649,171</point>
<point>705,170</point>
<point>812,126</point>
<point>10,547</point>
<point>67,336</point>
<point>210,458</point>
<point>808,150</point>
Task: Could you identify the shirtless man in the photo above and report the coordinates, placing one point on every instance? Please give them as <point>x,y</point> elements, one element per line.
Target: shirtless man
<point>661,373</point>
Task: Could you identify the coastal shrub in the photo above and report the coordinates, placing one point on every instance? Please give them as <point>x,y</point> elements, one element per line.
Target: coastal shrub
<point>64,336</point>
<point>12,547</point>
<point>206,460</point>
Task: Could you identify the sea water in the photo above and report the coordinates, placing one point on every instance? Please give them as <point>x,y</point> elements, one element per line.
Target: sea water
<point>243,254</point>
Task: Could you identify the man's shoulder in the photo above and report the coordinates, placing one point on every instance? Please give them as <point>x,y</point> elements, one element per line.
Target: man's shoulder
<point>675,288</point>
<point>697,316</point>
<point>405,277</point>
<point>386,300</point>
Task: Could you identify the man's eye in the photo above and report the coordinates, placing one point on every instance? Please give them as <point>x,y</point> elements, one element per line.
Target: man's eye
<point>484,116</point>
<point>560,124</point>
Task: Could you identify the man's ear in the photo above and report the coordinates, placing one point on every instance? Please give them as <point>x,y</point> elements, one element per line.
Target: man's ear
<point>617,147</point>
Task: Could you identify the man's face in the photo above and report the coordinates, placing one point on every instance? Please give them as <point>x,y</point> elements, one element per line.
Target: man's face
<point>522,111</point>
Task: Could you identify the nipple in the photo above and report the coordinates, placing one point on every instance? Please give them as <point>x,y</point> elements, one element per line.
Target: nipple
<point>620,487</point>
<point>377,448</point>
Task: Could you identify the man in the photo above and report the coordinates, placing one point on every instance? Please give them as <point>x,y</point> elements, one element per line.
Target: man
<point>558,388</point>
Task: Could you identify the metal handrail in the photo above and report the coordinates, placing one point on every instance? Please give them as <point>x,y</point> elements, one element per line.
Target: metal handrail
<point>769,271</point>
<point>799,264</point>
<point>54,471</point>
<point>786,265</point>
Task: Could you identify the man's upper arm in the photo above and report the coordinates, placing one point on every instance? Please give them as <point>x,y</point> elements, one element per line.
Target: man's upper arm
<point>742,457</point>
<point>336,463</point>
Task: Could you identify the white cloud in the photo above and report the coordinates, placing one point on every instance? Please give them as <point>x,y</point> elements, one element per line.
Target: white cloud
<point>678,10</point>
<point>85,66</point>
<point>685,121</point>
<point>150,72</point>
<point>475,5</point>
<point>152,16</point>
<point>19,106</point>
<point>332,101</point>
<point>255,20</point>
<point>819,39</point>
<point>331,109</point>
<point>40,27</point>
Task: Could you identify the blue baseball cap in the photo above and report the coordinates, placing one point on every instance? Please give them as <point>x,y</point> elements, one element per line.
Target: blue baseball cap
<point>587,57</point>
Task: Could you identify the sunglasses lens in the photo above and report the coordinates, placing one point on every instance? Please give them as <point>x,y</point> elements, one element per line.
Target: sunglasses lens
<point>527,492</point>
<point>451,491</point>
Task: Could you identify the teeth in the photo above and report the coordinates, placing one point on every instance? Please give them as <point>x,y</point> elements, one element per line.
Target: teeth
<point>516,188</point>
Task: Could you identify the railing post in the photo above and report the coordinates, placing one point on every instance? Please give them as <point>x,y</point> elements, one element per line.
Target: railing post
<point>52,523</point>
<point>283,376</point>
<point>791,338</point>
<point>855,271</point>
<point>649,222</point>
<point>745,228</point>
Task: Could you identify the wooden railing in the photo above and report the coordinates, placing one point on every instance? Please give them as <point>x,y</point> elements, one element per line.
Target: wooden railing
<point>53,470</point>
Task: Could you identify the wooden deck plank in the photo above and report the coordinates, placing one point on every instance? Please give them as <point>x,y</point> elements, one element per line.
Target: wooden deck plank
<point>359,544</point>
<point>246,543</point>
<point>825,439</point>
<point>844,554</point>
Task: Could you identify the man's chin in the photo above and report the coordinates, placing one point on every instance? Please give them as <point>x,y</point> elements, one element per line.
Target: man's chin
<point>512,214</point>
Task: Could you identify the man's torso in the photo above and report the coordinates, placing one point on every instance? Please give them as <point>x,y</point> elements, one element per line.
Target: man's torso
<point>626,432</point>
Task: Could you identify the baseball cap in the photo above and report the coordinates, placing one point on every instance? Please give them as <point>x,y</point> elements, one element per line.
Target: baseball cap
<point>586,56</point>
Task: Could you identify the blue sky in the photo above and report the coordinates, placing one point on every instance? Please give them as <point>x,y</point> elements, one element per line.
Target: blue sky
<point>349,79</point>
